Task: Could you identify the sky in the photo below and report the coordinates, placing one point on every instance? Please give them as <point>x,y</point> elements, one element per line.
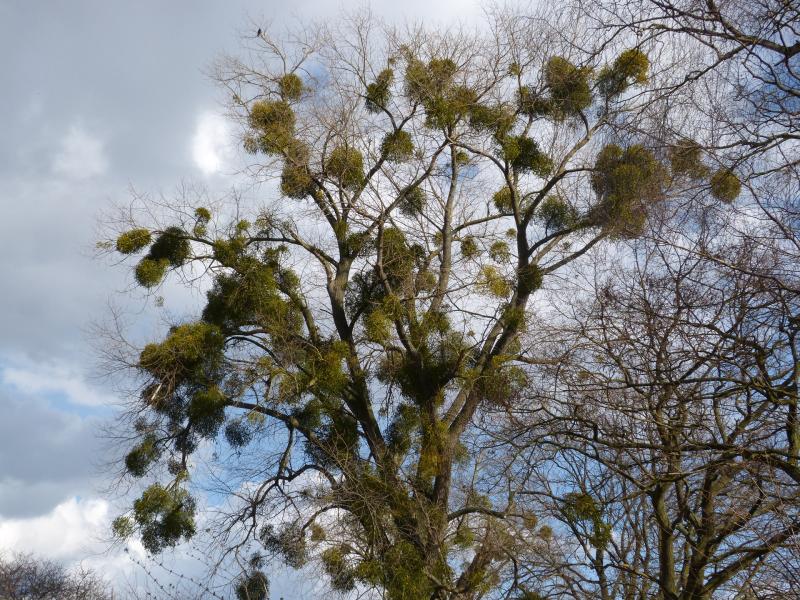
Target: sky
<point>101,98</point>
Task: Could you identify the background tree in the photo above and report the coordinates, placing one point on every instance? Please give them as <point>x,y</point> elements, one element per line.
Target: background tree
<point>24,577</point>
<point>620,478</point>
<point>733,104</point>
<point>740,71</point>
<point>666,456</point>
<point>360,326</point>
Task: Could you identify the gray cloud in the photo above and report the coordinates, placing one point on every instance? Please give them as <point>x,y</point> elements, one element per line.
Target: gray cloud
<point>46,455</point>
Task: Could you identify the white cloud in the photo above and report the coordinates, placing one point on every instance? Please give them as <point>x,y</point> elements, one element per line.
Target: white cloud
<point>78,531</point>
<point>53,378</point>
<point>210,149</point>
<point>443,13</point>
<point>81,155</point>
<point>61,534</point>
<point>75,532</point>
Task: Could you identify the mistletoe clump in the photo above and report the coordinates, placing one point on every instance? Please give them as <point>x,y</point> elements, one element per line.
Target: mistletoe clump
<point>556,213</point>
<point>171,248</point>
<point>273,123</point>
<point>402,428</point>
<point>172,245</point>
<point>165,515</point>
<point>149,273</point>
<point>206,411</point>
<point>502,383</point>
<point>338,568</point>
<point>503,200</point>
<point>297,180</point>
<point>569,87</point>
<point>253,586</point>
<point>530,278</point>
<point>686,158</point>
<point>499,252</point>
<point>396,570</point>
<point>533,104</point>
<point>189,356</point>
<point>524,155</point>
<point>397,146</point>
<point>725,185</point>
<point>346,165</point>
<point>582,510</point>
<point>379,91</point>
<point>254,295</point>
<point>469,247</point>
<point>497,119</point>
<point>290,87</point>
<point>433,85</point>
<point>627,181</point>
<point>630,68</point>
<point>492,283</point>
<point>133,241</point>
<point>425,81</point>
<point>237,433</point>
<point>398,256</point>
<point>377,326</point>
<point>450,106</point>
<point>413,202</point>
<point>142,456</point>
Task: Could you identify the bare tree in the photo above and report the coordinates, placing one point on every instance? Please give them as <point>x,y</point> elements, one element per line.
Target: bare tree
<point>740,69</point>
<point>666,455</point>
<point>734,96</point>
<point>24,577</point>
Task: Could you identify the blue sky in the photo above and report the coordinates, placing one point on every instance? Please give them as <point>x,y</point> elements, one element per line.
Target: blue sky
<point>100,97</point>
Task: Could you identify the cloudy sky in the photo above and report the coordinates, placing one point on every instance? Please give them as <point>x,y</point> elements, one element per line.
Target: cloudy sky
<point>99,97</point>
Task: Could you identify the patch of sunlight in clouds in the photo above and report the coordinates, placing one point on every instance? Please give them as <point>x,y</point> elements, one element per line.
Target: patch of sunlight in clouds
<point>81,155</point>
<point>211,143</point>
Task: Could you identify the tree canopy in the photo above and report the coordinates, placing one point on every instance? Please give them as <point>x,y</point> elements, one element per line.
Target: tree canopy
<point>373,359</point>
